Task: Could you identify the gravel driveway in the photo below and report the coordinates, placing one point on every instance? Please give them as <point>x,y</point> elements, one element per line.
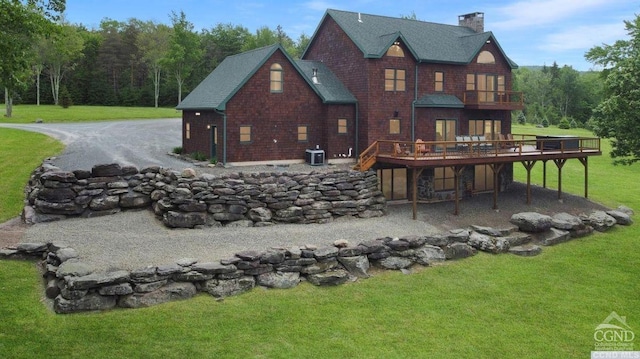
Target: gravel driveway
<point>133,240</point>
<point>139,143</point>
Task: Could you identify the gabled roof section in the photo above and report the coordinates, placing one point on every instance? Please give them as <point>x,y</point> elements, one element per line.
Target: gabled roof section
<point>329,88</point>
<point>439,100</point>
<point>224,81</point>
<point>427,41</point>
<point>227,78</point>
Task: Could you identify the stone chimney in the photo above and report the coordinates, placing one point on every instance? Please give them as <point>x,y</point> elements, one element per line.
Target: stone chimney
<point>474,21</point>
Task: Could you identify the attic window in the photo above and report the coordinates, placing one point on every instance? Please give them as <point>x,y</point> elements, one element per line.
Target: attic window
<point>395,50</point>
<point>276,78</point>
<point>486,57</point>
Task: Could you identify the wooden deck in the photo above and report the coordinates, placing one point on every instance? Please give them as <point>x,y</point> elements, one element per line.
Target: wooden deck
<point>527,149</point>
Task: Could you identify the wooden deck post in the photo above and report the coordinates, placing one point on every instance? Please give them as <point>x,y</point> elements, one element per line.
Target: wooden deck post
<point>559,163</point>
<point>528,165</point>
<point>496,168</point>
<point>585,163</point>
<point>457,171</point>
<point>416,174</point>
<point>544,173</point>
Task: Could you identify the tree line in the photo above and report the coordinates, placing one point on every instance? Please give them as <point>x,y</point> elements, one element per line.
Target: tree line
<point>128,63</point>
<point>555,95</point>
<point>143,63</point>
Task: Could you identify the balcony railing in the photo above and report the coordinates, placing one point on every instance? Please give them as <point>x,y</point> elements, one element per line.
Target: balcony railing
<point>474,150</point>
<point>500,100</point>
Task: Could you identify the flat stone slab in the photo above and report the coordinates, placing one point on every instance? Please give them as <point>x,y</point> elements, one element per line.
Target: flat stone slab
<point>527,250</point>
<point>554,236</point>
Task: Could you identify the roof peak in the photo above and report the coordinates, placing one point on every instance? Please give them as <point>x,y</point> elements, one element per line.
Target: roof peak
<point>358,16</point>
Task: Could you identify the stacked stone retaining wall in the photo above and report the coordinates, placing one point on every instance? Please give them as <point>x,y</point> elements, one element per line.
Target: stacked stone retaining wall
<point>184,200</point>
<point>74,286</point>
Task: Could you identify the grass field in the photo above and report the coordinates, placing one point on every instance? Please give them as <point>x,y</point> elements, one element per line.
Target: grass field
<point>18,158</point>
<point>487,306</point>
<point>52,113</point>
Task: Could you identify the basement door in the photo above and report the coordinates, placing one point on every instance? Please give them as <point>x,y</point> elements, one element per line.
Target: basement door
<point>393,183</point>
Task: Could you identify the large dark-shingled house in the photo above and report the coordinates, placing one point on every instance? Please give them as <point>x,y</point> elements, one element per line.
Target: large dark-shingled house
<point>428,105</point>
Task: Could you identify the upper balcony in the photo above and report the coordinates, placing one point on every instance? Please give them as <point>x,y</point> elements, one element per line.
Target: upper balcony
<point>493,100</point>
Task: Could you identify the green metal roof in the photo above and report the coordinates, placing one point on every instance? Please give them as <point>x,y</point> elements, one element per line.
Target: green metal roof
<point>428,42</point>
<point>224,81</point>
<point>439,100</point>
<point>328,86</point>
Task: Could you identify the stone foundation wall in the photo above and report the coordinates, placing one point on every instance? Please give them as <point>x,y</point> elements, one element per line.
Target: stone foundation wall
<point>184,200</point>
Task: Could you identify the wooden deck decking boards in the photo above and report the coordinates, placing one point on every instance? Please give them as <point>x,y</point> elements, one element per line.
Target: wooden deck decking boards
<point>527,149</point>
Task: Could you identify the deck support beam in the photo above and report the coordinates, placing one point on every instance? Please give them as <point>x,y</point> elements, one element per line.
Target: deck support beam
<point>457,172</point>
<point>528,165</point>
<point>496,168</point>
<point>585,163</point>
<point>560,163</point>
<point>544,173</point>
<point>416,174</point>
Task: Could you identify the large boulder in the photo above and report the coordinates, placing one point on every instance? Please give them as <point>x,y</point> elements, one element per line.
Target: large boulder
<point>600,221</point>
<point>566,221</point>
<point>106,170</point>
<point>622,218</point>
<point>94,280</point>
<point>227,288</point>
<point>490,231</point>
<point>280,280</point>
<point>487,243</point>
<point>458,250</point>
<point>554,236</point>
<point>357,265</point>
<point>88,302</point>
<point>260,214</point>
<point>332,277</point>
<point>104,203</point>
<point>167,293</point>
<point>531,222</point>
<point>429,255</point>
<point>175,219</point>
<point>527,250</point>
<point>135,200</point>
<point>394,262</point>
<point>56,194</point>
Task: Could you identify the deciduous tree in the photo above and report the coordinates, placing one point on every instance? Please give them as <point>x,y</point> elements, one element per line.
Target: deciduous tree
<point>618,115</point>
<point>154,45</point>
<point>61,50</point>
<point>184,50</point>
<point>21,23</point>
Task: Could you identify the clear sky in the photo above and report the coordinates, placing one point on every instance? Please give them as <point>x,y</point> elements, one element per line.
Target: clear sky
<point>531,32</point>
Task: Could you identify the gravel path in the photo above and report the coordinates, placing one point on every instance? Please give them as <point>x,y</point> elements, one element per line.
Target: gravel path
<point>139,143</point>
<point>133,240</point>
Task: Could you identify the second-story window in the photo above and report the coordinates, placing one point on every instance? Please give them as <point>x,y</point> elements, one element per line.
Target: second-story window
<point>394,80</point>
<point>395,50</point>
<point>471,82</point>
<point>439,81</point>
<point>276,78</point>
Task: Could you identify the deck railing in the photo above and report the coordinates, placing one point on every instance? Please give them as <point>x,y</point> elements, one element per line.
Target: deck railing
<point>511,99</point>
<point>520,145</point>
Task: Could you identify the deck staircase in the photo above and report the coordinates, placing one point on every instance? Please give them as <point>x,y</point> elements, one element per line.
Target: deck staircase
<point>367,158</point>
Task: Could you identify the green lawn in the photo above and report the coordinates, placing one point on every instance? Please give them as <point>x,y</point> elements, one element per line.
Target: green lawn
<point>19,156</point>
<point>488,306</point>
<point>52,113</point>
